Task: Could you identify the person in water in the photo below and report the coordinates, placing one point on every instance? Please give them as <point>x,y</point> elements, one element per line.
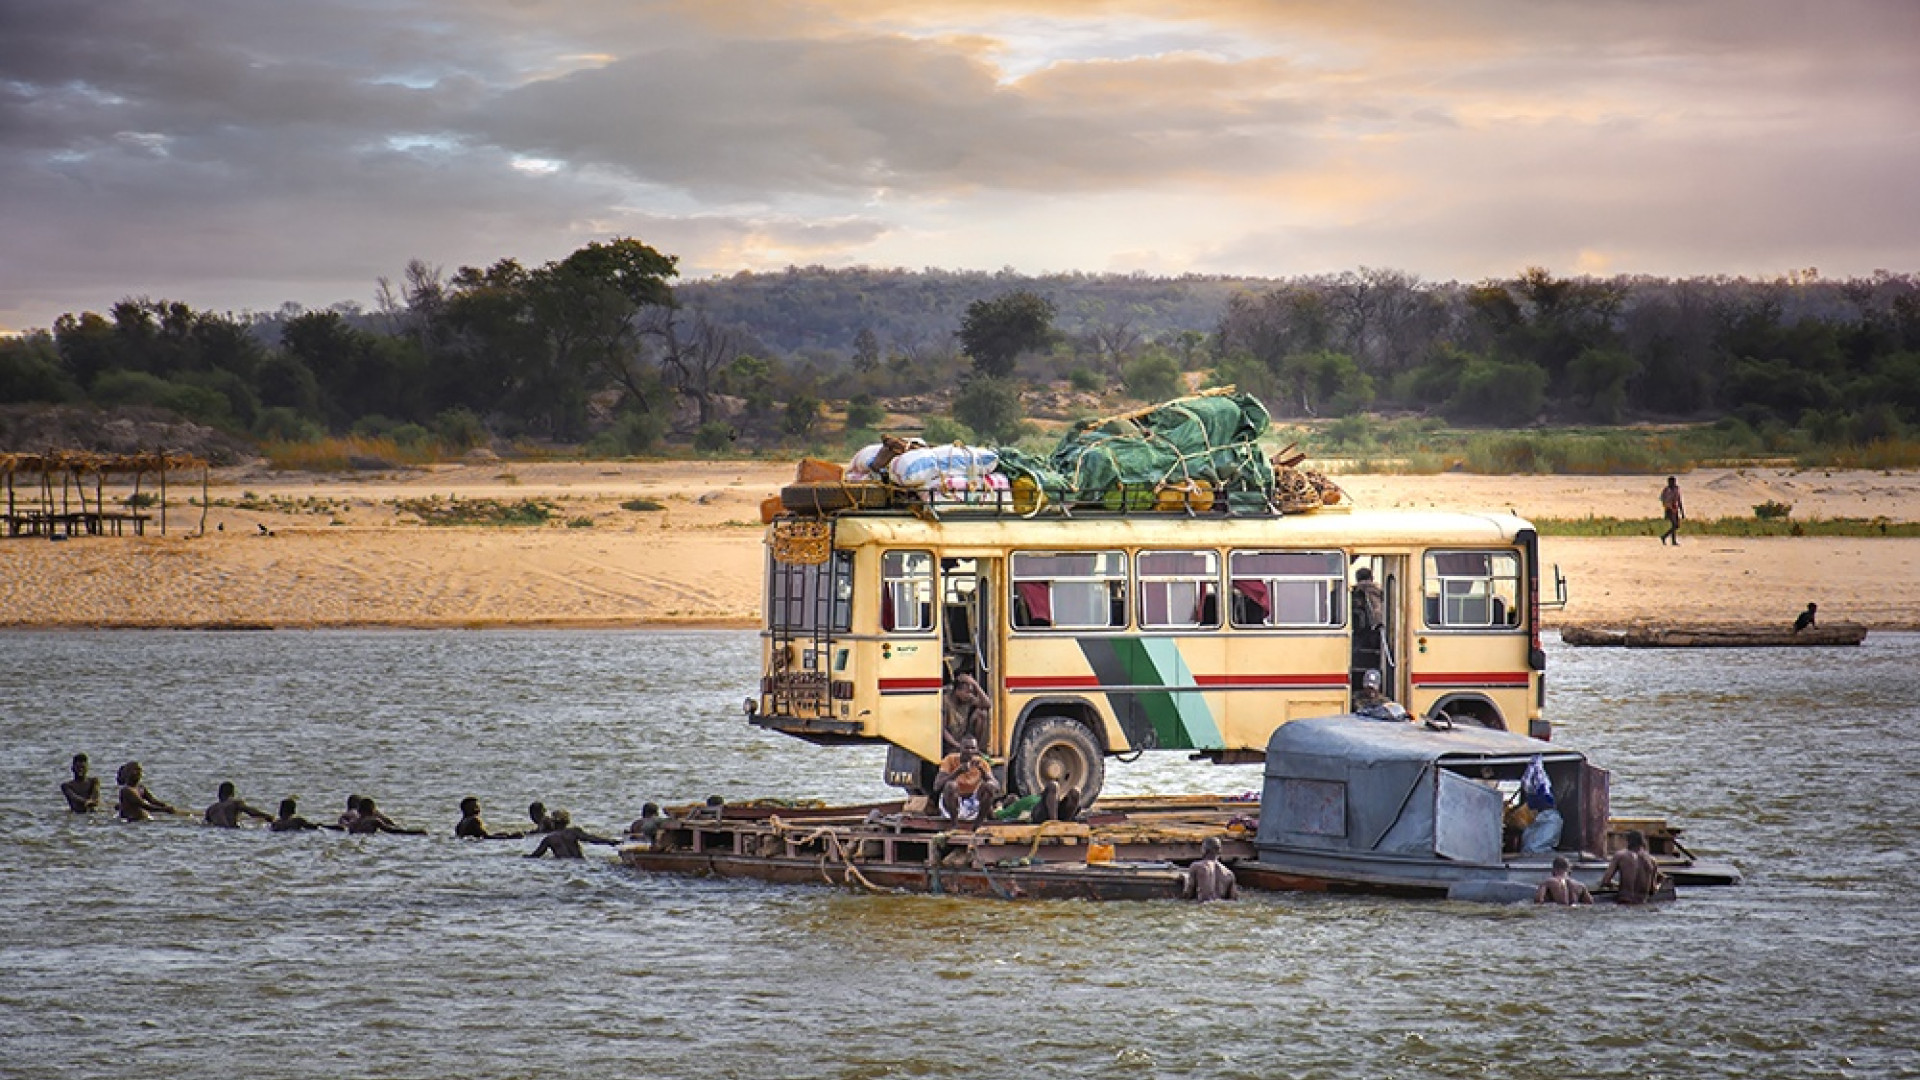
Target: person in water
<point>136,802</point>
<point>350,815</point>
<point>472,828</point>
<point>647,827</point>
<point>542,821</point>
<point>565,838</point>
<point>371,820</point>
<point>1638,874</point>
<point>290,819</point>
<point>1208,879</point>
<point>229,808</point>
<point>83,791</point>
<point>1560,888</point>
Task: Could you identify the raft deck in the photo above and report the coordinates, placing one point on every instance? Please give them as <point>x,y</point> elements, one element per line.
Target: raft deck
<point>1650,636</point>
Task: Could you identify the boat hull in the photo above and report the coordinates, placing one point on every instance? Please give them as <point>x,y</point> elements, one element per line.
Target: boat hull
<point>1116,881</point>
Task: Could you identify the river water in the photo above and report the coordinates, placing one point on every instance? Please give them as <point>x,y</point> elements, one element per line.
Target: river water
<point>173,950</point>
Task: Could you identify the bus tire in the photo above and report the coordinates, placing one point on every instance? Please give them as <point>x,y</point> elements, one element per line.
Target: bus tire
<point>1059,749</point>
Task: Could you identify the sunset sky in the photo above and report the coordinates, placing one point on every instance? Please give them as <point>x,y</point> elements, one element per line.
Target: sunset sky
<point>236,154</point>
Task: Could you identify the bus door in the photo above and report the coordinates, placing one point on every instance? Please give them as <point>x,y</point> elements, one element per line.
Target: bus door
<point>968,632</point>
<point>1379,642</point>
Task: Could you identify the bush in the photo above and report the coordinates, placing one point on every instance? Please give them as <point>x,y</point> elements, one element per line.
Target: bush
<point>1085,380</point>
<point>1772,510</point>
<point>633,432</point>
<point>940,430</point>
<point>991,407</point>
<point>460,429</point>
<point>713,437</point>
<point>641,505</point>
<point>286,425</point>
<point>1154,377</point>
<point>863,412</point>
<point>801,413</point>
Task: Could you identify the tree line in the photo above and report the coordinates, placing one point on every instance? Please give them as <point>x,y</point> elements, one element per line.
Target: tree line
<point>606,348</point>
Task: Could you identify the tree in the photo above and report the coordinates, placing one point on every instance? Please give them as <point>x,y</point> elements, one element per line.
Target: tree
<point>1153,377</point>
<point>995,332</point>
<point>991,407</point>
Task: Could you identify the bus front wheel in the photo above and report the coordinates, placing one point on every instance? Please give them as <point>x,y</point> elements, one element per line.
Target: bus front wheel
<point>1062,751</point>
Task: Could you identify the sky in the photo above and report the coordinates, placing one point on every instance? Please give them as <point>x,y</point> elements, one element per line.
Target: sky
<point>241,154</point>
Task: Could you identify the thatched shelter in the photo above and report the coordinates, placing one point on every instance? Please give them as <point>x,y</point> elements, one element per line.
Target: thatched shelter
<point>41,511</point>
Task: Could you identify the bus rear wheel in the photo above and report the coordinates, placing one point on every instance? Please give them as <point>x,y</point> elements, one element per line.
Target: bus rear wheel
<point>1058,749</point>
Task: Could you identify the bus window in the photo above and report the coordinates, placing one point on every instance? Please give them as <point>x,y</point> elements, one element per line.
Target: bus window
<point>1179,590</point>
<point>1291,589</point>
<point>1478,589</point>
<point>800,595</point>
<point>1069,591</point>
<point>906,591</point>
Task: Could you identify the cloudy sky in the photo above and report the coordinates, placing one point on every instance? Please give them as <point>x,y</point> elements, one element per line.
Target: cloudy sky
<point>236,154</point>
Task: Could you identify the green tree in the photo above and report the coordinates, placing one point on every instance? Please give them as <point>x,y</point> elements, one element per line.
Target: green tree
<point>1153,376</point>
<point>991,408</point>
<point>995,332</point>
<point>800,415</point>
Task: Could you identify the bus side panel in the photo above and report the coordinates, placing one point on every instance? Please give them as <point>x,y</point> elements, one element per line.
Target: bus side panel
<point>1274,678</point>
<point>901,702</point>
<point>1449,663</point>
<point>1056,666</point>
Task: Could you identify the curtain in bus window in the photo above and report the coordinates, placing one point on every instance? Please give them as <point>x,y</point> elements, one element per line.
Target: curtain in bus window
<point>886,608</point>
<point>1038,598</point>
<point>1255,594</point>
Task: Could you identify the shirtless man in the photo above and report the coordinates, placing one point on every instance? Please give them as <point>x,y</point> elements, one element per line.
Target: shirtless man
<point>1561,888</point>
<point>226,812</point>
<point>472,828</point>
<point>371,820</point>
<point>565,839</point>
<point>83,791</point>
<point>136,802</point>
<point>1208,879</point>
<point>965,787</point>
<point>1639,875</point>
<point>647,828</point>
<point>289,820</point>
<point>351,814</point>
<point>542,822</point>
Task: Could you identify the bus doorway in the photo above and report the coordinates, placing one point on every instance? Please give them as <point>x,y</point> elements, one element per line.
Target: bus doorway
<point>967,634</point>
<point>1377,621</point>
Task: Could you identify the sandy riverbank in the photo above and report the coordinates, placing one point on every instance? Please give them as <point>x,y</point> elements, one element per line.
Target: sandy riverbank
<point>697,562</point>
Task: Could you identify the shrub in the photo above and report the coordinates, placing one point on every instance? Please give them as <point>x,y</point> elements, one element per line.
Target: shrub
<point>991,407</point>
<point>863,412</point>
<point>714,436</point>
<point>1154,377</point>
<point>641,505</point>
<point>633,432</point>
<point>940,430</point>
<point>1085,380</point>
<point>582,522</point>
<point>1772,510</point>
<point>460,429</point>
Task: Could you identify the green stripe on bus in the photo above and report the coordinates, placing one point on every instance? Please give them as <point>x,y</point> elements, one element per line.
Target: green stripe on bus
<point>1179,715</point>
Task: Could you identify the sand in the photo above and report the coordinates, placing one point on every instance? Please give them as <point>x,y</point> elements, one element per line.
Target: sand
<point>340,554</point>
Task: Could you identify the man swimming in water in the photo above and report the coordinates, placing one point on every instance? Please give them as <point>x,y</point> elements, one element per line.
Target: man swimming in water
<point>136,802</point>
<point>647,828</point>
<point>1208,879</point>
<point>1561,888</point>
<point>565,839</point>
<point>472,828</point>
<point>226,812</point>
<point>1639,875</point>
<point>289,820</point>
<point>83,791</point>
<point>542,822</point>
<point>350,815</point>
<point>371,820</point>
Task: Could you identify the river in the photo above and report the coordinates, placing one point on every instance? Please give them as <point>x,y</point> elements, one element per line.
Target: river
<point>173,950</point>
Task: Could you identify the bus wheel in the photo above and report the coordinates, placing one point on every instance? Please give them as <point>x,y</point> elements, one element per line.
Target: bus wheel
<point>1058,749</point>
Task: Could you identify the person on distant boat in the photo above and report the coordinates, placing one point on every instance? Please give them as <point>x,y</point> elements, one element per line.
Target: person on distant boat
<point>83,791</point>
<point>371,820</point>
<point>472,828</point>
<point>647,828</point>
<point>1805,621</point>
<point>1208,879</point>
<point>565,838</point>
<point>965,786</point>
<point>229,807</point>
<point>1674,511</point>
<point>136,802</point>
<point>290,819</point>
<point>1561,888</point>
<point>1638,874</point>
<point>537,813</point>
<point>714,808</point>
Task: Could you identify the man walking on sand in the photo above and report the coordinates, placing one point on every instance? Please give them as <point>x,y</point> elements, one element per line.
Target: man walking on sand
<point>1675,512</point>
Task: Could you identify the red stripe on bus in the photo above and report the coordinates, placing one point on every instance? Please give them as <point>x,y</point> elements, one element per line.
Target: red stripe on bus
<point>1470,678</point>
<point>1337,679</point>
<point>909,686</point>
<point>1053,682</point>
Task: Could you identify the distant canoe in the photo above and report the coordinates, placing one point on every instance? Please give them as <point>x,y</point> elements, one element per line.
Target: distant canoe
<point>1649,636</point>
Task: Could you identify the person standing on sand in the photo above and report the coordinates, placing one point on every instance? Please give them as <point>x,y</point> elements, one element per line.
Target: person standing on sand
<point>1674,510</point>
<point>83,791</point>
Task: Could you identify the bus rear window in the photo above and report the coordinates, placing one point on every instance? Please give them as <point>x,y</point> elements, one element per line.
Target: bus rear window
<point>1472,589</point>
<point>1070,591</point>
<point>1291,589</point>
<point>812,597</point>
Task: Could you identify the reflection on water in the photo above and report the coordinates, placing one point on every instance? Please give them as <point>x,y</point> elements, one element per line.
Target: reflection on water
<point>183,951</point>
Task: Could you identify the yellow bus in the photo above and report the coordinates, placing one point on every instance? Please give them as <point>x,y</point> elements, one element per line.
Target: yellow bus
<point>1103,634</point>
